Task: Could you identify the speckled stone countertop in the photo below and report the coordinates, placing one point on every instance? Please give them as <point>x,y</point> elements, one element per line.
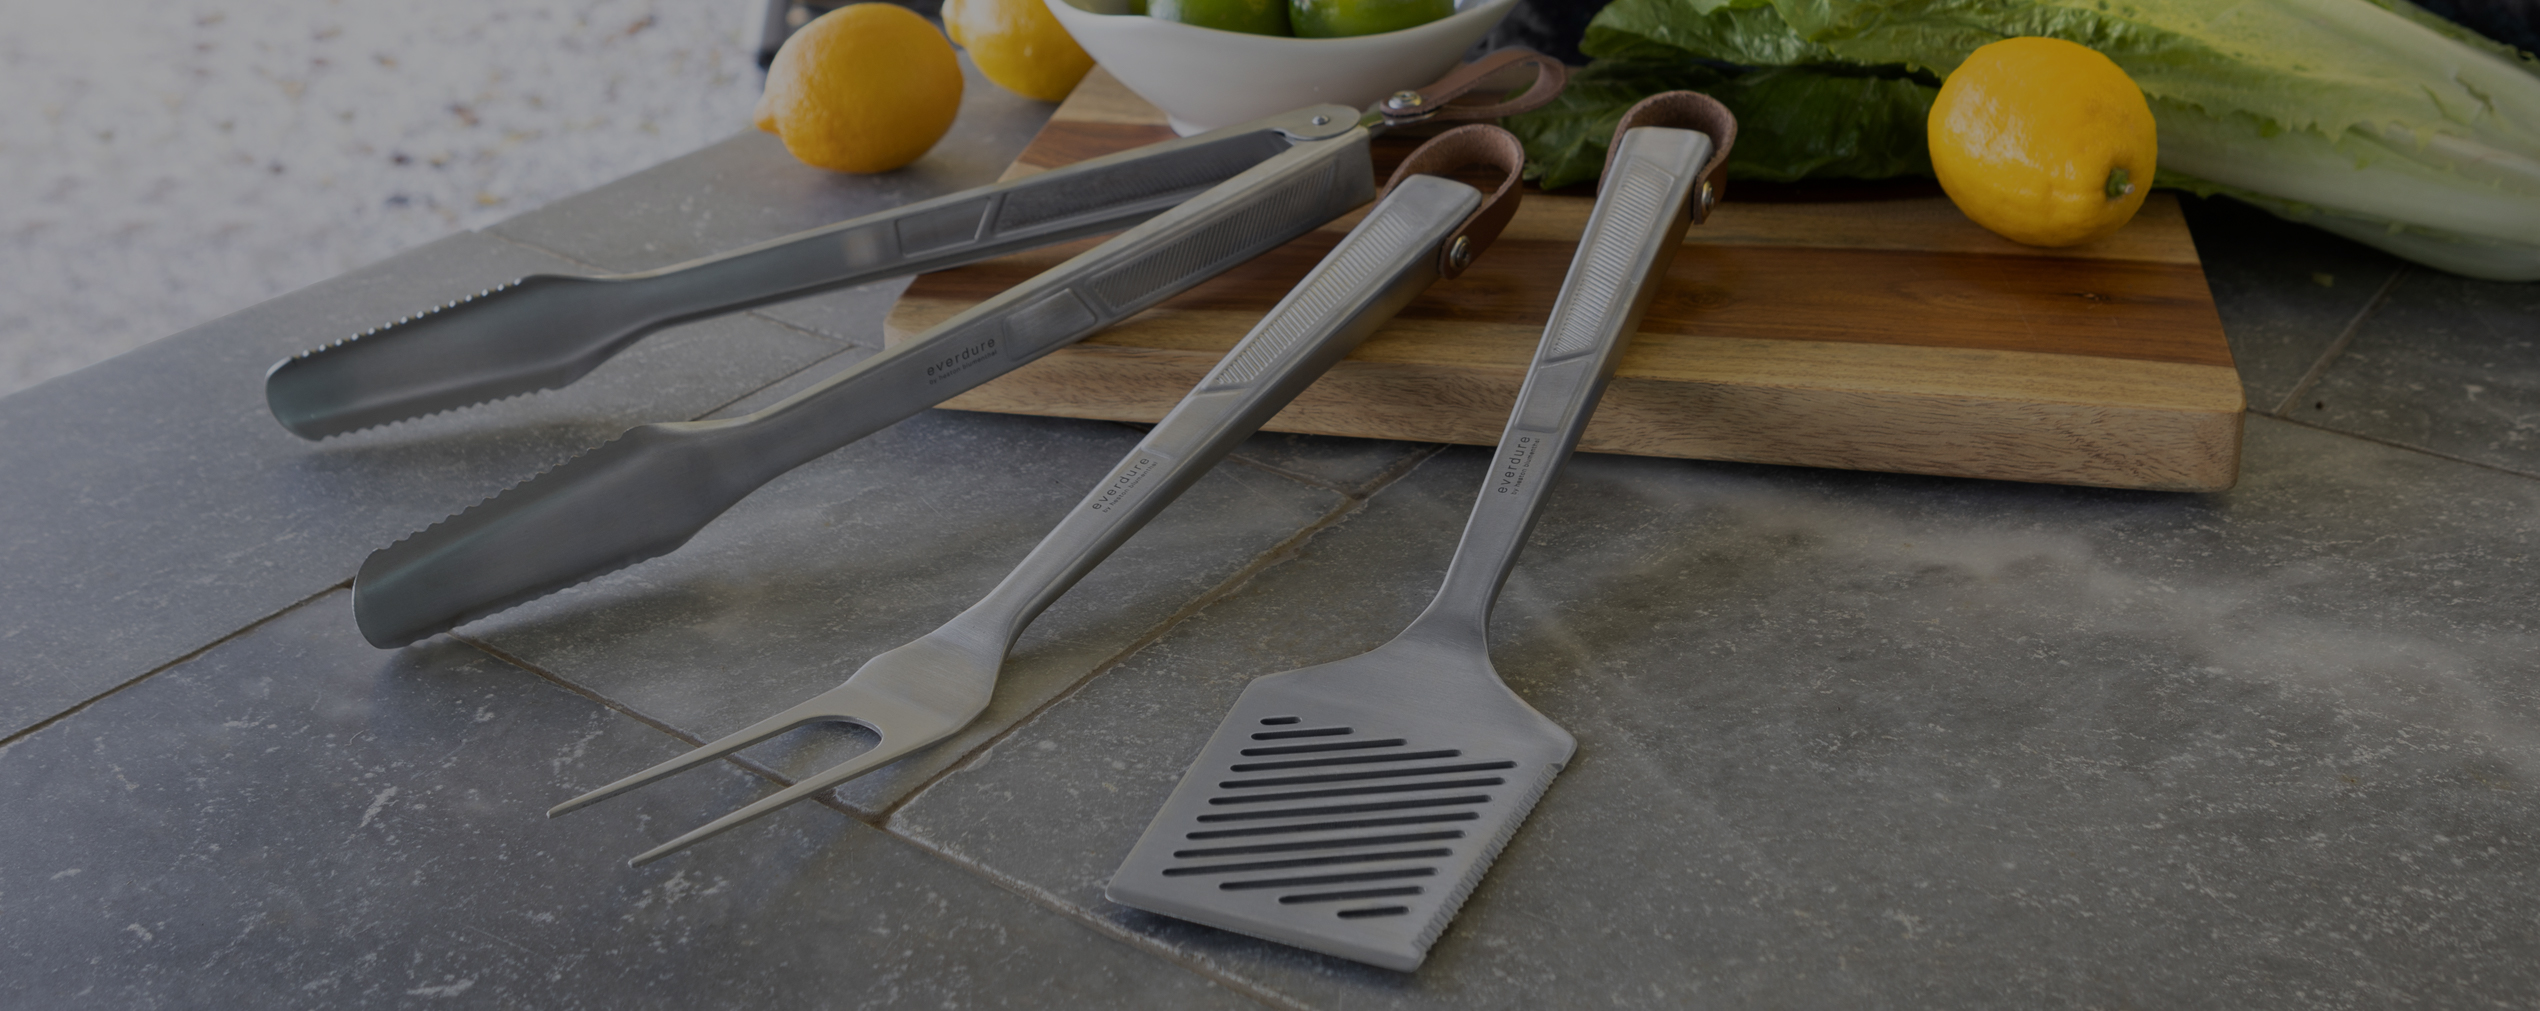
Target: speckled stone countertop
<point>168,162</point>
<point>1845,739</point>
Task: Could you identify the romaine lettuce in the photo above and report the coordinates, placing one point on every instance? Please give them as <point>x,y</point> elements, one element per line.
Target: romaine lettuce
<point>2368,117</point>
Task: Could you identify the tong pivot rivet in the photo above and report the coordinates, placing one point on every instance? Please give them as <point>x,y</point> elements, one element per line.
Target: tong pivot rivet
<point>1461,253</point>
<point>1405,101</point>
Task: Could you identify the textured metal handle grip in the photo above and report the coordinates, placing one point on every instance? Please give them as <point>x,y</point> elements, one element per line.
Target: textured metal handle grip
<point>1087,198</point>
<point>1631,237</point>
<point>1377,269</point>
<point>1241,219</point>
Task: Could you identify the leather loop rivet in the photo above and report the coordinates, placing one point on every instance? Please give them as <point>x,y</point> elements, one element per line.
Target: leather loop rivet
<point>1461,253</point>
<point>1405,100</point>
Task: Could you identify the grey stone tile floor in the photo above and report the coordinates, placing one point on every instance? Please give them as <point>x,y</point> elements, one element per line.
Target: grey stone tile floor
<point>294,819</point>
<point>1845,739</point>
<point>1865,740</point>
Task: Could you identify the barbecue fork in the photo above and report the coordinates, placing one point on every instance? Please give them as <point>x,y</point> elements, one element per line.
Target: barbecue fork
<point>1424,228</point>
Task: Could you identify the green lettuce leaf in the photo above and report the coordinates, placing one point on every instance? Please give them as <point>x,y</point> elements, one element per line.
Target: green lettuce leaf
<point>2369,117</point>
<point>1745,32</point>
<point>1793,122</point>
<point>2322,65</point>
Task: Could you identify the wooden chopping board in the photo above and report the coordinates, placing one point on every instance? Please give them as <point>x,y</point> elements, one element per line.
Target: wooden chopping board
<point>1886,334</point>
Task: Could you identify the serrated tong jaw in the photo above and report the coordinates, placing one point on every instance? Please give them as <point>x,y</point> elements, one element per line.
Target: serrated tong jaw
<point>545,331</point>
<point>534,333</point>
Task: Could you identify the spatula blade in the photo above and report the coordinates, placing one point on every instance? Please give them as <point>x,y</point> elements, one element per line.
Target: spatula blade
<point>1343,820</point>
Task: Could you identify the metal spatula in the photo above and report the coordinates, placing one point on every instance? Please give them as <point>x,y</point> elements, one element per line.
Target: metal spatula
<point>1350,807</point>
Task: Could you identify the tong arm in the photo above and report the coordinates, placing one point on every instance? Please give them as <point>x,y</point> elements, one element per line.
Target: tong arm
<point>646,493</point>
<point>548,330</point>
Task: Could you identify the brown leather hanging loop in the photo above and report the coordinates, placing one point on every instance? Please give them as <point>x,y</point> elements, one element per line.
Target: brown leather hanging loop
<point>1466,147</point>
<point>1687,110</point>
<point>1433,101</point>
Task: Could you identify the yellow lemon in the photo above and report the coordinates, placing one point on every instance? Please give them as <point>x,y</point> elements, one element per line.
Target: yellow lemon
<point>864,88</point>
<point>2043,141</point>
<point>1019,45</point>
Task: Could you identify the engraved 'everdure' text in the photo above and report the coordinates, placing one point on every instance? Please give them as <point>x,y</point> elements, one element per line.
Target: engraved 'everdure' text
<point>961,359</point>
<point>1517,465</point>
<point>1116,490</point>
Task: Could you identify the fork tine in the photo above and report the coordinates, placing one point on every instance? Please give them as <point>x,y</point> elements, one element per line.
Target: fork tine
<point>817,709</point>
<point>883,753</point>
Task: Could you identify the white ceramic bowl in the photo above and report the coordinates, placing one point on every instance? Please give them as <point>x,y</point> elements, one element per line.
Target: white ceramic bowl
<point>1204,78</point>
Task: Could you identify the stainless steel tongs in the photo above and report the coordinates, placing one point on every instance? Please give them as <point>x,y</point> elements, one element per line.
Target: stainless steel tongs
<point>1426,227</point>
<point>647,492</point>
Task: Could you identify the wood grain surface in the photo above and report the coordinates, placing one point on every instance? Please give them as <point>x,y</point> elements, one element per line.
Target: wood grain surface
<point>1880,333</point>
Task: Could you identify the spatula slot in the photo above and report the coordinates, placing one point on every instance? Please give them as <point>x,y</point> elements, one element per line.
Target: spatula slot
<point>1329,879</point>
<point>1311,763</point>
<point>1349,777</point>
<point>1360,914</point>
<point>1332,826</point>
<point>1302,749</point>
<point>1363,893</point>
<point>1356,791</point>
<point>1274,721</point>
<point>1316,812</point>
<point>1280,865</point>
<point>1323,844</point>
<point>1281,735</point>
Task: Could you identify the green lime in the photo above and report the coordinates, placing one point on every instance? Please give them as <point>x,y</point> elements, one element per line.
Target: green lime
<point>1325,19</point>
<point>1257,17</point>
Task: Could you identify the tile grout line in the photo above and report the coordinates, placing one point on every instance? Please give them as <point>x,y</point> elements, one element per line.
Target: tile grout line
<point>1274,470</point>
<point>1397,471</point>
<point>1276,555</point>
<point>1136,941</point>
<point>2336,348</point>
<point>1020,889</point>
<point>1359,490</point>
<point>196,654</point>
<point>536,248</point>
<point>825,798</point>
<point>2404,447</point>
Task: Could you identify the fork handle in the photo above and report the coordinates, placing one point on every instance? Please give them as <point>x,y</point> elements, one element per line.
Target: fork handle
<point>1388,260</point>
<point>1631,237</point>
